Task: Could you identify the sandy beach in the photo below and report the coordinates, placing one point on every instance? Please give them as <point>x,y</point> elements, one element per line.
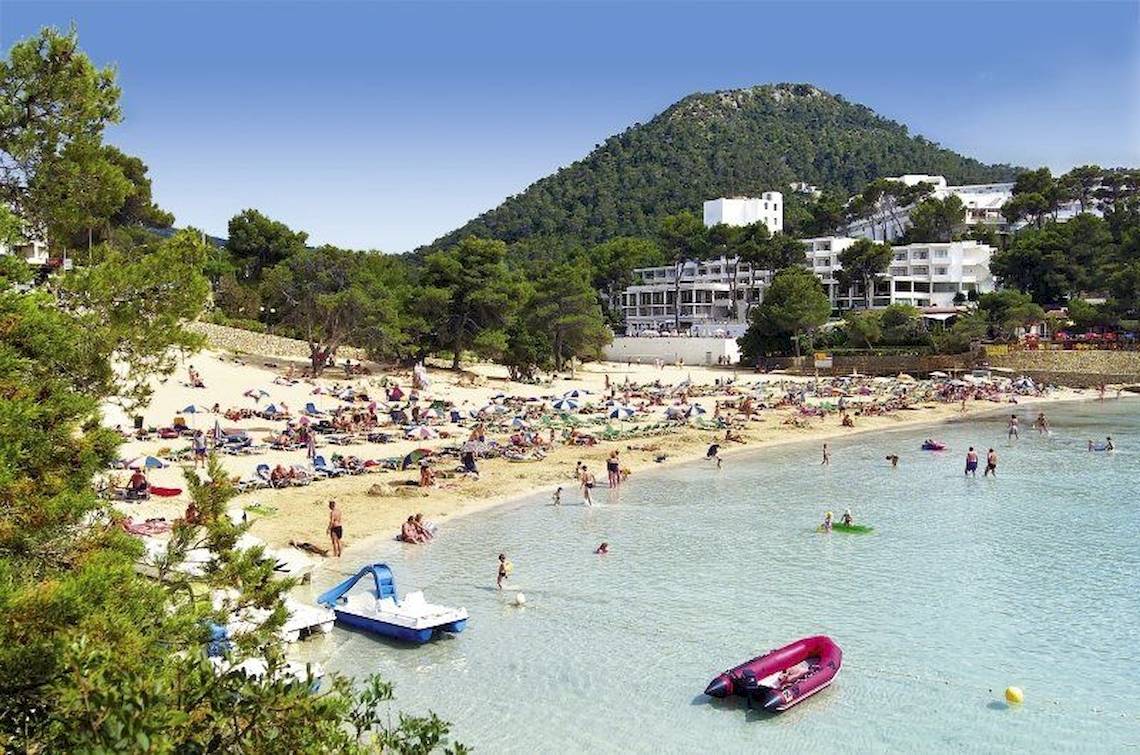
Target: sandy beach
<point>375,504</point>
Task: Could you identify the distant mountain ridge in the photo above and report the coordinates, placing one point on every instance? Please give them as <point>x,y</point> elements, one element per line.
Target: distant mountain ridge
<point>726,143</point>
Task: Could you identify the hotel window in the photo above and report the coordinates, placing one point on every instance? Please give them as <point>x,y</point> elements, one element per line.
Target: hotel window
<point>920,255</point>
<point>898,271</point>
<point>940,253</point>
<point>900,256</point>
<point>940,271</point>
<point>923,287</point>
<point>920,270</point>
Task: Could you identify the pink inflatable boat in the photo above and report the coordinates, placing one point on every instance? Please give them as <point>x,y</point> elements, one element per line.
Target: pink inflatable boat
<point>783,677</point>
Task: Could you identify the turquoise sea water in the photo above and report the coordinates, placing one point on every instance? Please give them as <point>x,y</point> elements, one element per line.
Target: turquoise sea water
<point>965,587</point>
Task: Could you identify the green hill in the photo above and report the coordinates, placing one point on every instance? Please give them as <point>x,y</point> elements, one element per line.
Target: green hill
<point>722,144</point>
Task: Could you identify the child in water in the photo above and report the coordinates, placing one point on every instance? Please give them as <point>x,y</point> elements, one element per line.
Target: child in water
<point>505,568</point>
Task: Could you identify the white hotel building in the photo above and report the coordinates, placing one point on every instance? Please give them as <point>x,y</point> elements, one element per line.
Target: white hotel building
<point>768,209</point>
<point>924,275</point>
<point>983,204</point>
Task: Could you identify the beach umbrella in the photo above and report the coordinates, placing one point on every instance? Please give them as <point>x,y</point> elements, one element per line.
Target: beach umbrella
<point>938,374</point>
<point>674,412</point>
<point>414,457</point>
<point>518,422</point>
<point>576,393</point>
<point>193,410</point>
<point>694,410</point>
<point>147,462</point>
<point>256,394</point>
<point>565,404</point>
<point>622,412</point>
<point>271,409</point>
<point>422,432</point>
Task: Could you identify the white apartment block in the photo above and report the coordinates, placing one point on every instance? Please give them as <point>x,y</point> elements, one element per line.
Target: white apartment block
<point>923,275</point>
<point>983,204</point>
<point>35,253</point>
<point>705,290</point>
<point>767,209</point>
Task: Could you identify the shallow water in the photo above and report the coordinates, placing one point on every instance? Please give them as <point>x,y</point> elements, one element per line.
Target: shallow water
<point>966,586</point>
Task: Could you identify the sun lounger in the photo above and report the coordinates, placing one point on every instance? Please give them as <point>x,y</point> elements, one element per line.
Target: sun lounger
<point>322,467</point>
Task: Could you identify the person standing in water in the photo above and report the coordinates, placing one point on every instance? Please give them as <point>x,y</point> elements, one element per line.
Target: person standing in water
<point>991,464</point>
<point>587,480</point>
<point>336,528</point>
<point>613,469</point>
<point>826,456</point>
<point>1042,424</point>
<point>972,462</point>
<point>1014,431</point>
<point>504,570</point>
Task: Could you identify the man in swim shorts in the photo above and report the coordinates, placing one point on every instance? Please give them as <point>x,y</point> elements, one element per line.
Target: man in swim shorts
<point>1014,431</point>
<point>991,464</point>
<point>336,528</point>
<point>972,462</point>
<point>588,481</point>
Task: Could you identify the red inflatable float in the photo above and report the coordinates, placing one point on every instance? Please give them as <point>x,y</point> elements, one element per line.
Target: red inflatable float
<point>783,677</point>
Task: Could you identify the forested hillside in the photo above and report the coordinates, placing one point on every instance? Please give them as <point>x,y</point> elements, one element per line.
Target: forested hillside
<point>721,144</point>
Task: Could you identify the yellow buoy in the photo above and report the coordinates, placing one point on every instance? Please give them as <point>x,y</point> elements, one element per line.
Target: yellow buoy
<point>1014,695</point>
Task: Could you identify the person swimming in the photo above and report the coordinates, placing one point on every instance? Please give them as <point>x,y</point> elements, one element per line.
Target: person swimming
<point>602,549</point>
<point>893,459</point>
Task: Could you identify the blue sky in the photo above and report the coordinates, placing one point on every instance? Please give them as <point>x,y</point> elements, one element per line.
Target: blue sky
<point>383,126</point>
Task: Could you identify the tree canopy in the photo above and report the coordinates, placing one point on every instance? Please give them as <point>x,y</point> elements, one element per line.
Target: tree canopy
<point>862,263</point>
<point>794,304</point>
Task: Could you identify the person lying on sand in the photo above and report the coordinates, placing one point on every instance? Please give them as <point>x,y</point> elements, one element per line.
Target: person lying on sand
<point>308,547</point>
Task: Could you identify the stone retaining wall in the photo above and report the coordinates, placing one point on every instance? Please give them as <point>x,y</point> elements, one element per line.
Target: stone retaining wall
<point>1090,366</point>
<point>225,338</point>
<point>1077,369</point>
